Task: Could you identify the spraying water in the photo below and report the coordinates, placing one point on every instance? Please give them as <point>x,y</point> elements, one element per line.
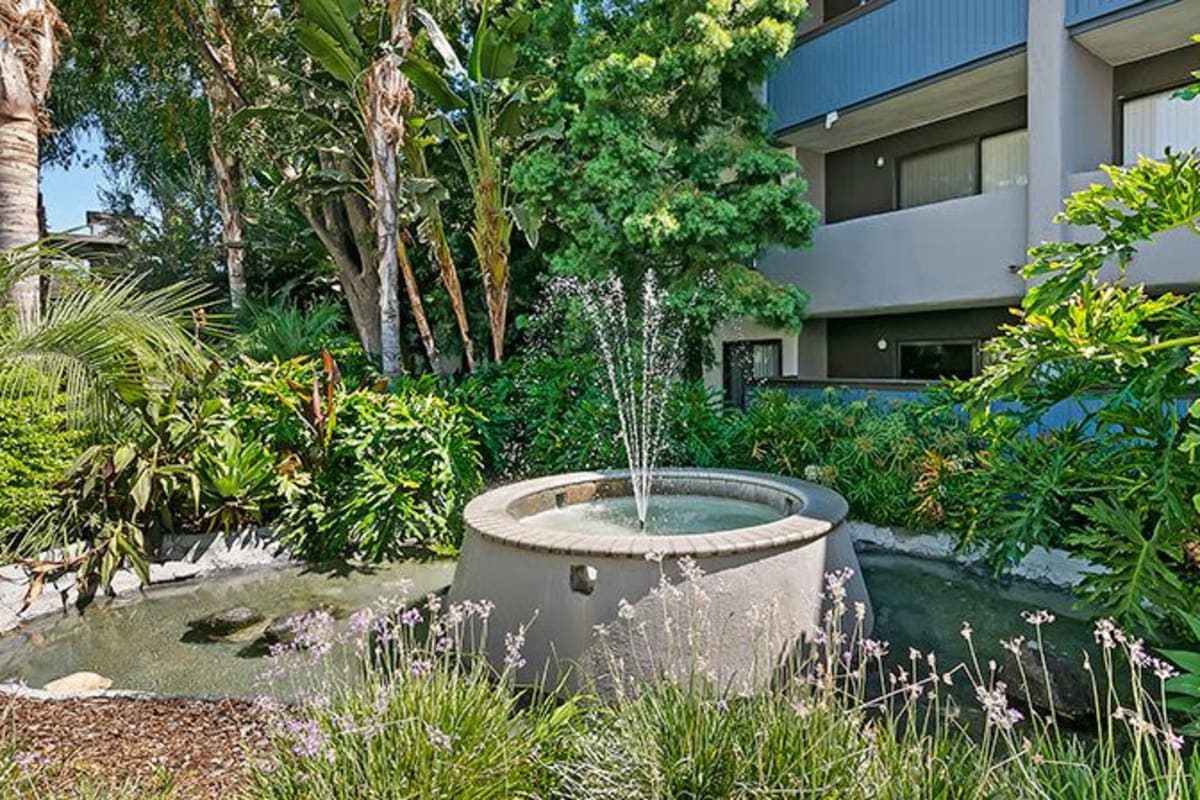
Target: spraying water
<point>640,365</point>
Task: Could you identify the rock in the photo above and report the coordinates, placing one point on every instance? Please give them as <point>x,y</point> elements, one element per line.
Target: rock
<point>282,629</point>
<point>78,682</point>
<point>1067,683</point>
<point>227,621</point>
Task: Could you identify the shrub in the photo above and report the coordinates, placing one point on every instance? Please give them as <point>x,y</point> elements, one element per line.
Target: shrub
<point>364,472</point>
<point>36,448</point>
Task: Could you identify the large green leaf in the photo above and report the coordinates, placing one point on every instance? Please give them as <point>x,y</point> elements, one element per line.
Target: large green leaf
<point>427,81</point>
<point>497,56</point>
<point>331,56</point>
<point>331,17</point>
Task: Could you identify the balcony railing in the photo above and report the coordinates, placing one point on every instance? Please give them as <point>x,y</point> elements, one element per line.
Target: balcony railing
<point>888,47</point>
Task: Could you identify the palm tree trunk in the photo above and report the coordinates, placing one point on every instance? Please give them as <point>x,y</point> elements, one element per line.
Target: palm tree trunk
<point>221,87</point>
<point>18,209</point>
<point>27,55</point>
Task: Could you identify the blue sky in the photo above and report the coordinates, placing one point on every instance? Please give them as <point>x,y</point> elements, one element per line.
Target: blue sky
<point>70,194</point>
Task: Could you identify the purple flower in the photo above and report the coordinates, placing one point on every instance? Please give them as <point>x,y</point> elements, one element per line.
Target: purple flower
<point>420,668</point>
<point>410,617</point>
<point>308,740</point>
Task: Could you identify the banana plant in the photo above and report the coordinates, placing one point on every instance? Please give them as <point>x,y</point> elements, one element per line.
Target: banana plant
<point>483,111</point>
<point>371,74</point>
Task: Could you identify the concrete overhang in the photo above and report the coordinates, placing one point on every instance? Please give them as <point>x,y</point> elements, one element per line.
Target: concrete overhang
<point>974,87</point>
<point>1137,34</point>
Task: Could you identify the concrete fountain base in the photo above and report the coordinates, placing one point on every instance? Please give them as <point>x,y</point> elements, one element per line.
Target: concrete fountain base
<point>752,596</point>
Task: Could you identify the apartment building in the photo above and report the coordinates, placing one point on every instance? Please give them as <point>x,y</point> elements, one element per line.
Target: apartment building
<point>939,138</point>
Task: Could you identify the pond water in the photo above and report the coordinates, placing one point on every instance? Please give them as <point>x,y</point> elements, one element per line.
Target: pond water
<point>141,643</point>
<point>668,514</point>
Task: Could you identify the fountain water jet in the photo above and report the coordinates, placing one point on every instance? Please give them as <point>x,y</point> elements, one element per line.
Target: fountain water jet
<point>639,370</point>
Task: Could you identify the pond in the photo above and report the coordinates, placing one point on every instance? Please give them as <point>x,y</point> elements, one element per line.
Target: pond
<point>141,642</point>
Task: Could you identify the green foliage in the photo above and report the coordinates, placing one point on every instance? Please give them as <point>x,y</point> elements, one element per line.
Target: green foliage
<point>1184,687</point>
<point>1127,475</point>
<point>665,164</point>
<point>363,472</point>
<point>282,330</point>
<point>36,448</point>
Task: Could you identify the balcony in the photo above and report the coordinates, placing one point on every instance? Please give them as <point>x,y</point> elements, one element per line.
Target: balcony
<point>893,46</point>
<point>943,255</point>
<point>1122,31</point>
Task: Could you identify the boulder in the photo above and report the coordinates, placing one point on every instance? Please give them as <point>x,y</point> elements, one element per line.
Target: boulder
<point>1067,683</point>
<point>78,682</point>
<point>227,621</point>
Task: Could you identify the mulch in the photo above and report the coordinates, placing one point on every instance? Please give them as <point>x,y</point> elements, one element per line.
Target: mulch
<point>205,746</point>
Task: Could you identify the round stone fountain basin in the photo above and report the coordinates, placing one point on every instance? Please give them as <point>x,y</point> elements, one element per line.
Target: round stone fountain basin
<point>563,557</point>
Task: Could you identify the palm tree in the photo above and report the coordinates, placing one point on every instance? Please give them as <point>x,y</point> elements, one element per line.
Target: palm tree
<point>28,51</point>
<point>106,344</point>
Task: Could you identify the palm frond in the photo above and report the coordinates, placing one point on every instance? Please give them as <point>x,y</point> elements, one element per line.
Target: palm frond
<point>107,344</point>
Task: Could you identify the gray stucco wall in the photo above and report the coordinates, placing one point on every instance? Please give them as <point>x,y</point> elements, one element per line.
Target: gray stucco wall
<point>951,254</point>
<point>856,187</point>
<point>853,342</point>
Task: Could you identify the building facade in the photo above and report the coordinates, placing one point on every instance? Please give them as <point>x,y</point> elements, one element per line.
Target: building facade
<point>938,139</point>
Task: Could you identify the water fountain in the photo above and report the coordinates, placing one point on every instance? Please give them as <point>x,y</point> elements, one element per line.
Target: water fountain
<point>567,557</point>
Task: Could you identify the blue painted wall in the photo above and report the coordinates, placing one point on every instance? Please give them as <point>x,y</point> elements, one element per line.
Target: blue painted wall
<point>1086,10</point>
<point>900,43</point>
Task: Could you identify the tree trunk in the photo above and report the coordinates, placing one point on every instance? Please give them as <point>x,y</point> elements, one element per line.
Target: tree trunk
<point>221,87</point>
<point>18,209</point>
<point>388,99</point>
<point>418,307</point>
<point>490,235</point>
<point>226,170</point>
<point>27,55</point>
<point>383,179</point>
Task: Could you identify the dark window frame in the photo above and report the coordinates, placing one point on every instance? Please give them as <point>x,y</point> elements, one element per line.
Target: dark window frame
<point>976,346</point>
<point>975,141</point>
<point>728,357</point>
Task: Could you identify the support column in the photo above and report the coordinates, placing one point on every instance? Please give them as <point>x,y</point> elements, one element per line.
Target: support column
<point>1070,115</point>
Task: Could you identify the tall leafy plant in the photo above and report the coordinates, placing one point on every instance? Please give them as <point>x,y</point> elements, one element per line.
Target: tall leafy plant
<point>1136,356</point>
<point>484,111</point>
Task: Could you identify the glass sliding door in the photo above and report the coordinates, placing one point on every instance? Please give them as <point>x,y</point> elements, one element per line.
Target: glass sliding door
<point>1155,122</point>
<point>747,362</point>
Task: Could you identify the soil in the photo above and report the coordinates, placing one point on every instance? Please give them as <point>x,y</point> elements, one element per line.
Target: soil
<point>137,747</point>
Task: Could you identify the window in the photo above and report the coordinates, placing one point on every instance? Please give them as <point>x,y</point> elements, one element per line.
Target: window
<point>1005,160</point>
<point>749,361</point>
<point>935,360</point>
<point>965,168</point>
<point>938,175</point>
<point>1155,122</point>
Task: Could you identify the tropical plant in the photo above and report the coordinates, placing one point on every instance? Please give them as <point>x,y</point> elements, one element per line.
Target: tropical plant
<point>106,344</point>
<point>484,112</point>
<point>282,330</point>
<point>1134,480</point>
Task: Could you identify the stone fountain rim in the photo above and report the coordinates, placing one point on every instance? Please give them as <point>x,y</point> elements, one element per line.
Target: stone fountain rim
<point>821,510</point>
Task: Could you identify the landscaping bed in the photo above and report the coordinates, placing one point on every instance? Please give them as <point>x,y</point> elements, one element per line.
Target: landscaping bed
<point>142,746</point>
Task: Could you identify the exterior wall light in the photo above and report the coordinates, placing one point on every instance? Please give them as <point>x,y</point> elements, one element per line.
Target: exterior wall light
<point>882,344</point>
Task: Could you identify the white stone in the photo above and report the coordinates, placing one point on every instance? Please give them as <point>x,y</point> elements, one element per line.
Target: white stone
<point>78,682</point>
